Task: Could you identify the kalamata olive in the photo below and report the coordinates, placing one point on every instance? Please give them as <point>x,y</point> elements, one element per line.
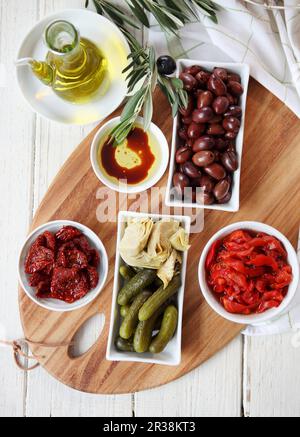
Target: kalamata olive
<point>215,129</point>
<point>230,161</point>
<point>230,146</point>
<point>187,111</point>
<point>234,77</point>
<point>183,133</point>
<point>204,158</point>
<point>231,124</point>
<point>183,154</point>
<point>218,156</point>
<point>235,88</point>
<point>231,135</point>
<point>189,143</point>
<point>220,144</point>
<point>206,98</point>
<point>216,171</point>
<point>221,189</point>
<point>187,120</point>
<point>181,181</point>
<point>189,81</point>
<point>203,77</point>
<point>234,111</point>
<point>216,119</point>
<point>203,115</point>
<point>231,99</point>
<point>226,199</point>
<point>194,70</point>
<point>208,199</point>
<point>216,86</point>
<point>220,105</point>
<point>221,73</point>
<point>190,170</point>
<point>229,179</point>
<point>203,143</point>
<point>207,183</point>
<point>195,130</point>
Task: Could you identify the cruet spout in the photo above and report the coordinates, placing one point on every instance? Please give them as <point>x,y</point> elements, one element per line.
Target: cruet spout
<point>42,70</point>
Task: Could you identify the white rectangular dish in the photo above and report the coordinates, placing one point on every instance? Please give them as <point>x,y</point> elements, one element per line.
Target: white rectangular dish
<point>233,206</point>
<point>172,354</point>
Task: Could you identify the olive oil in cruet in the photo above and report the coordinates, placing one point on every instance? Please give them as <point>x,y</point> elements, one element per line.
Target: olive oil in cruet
<point>75,68</point>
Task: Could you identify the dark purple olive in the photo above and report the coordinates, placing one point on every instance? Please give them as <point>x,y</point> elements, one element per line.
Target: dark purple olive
<point>208,199</point>
<point>215,129</point>
<point>189,82</point>
<point>216,171</point>
<point>190,170</point>
<point>203,77</point>
<point>231,99</point>
<point>193,70</point>
<point>203,115</point>
<point>183,133</point>
<point>231,135</point>
<point>216,119</point>
<point>230,161</point>
<point>203,143</point>
<point>221,189</point>
<point>220,144</point>
<point>221,73</point>
<point>220,105</point>
<point>195,130</point>
<point>180,181</point>
<point>234,111</point>
<point>234,77</point>
<point>231,124</point>
<point>166,65</point>
<point>235,88</point>
<point>217,86</point>
<point>187,120</point>
<point>205,98</point>
<point>207,183</point>
<point>226,199</point>
<point>183,154</point>
<point>204,158</point>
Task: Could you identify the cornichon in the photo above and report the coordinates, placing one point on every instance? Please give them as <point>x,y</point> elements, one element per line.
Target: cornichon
<point>158,299</point>
<point>167,331</point>
<point>131,320</point>
<point>137,284</point>
<point>127,272</point>
<point>124,310</point>
<point>143,334</point>
<point>124,345</point>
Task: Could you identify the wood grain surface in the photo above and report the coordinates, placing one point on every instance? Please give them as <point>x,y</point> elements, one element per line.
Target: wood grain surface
<point>269,194</point>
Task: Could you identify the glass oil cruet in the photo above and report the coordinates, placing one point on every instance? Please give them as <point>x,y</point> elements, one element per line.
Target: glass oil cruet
<point>75,67</point>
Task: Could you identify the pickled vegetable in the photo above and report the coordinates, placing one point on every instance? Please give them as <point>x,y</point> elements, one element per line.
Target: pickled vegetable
<point>136,285</point>
<point>143,334</point>
<point>131,320</point>
<point>159,298</point>
<point>167,331</point>
<point>124,345</point>
<point>124,310</point>
<point>127,272</point>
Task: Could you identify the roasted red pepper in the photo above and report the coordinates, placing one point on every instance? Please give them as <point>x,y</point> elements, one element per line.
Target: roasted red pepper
<point>248,272</point>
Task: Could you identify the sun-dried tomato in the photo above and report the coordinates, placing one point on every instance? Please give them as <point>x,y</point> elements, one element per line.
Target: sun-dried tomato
<point>62,266</point>
<point>38,259</point>
<point>68,233</point>
<point>248,272</point>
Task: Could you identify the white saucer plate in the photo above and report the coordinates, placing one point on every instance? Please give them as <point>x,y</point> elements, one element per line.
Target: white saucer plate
<point>115,48</point>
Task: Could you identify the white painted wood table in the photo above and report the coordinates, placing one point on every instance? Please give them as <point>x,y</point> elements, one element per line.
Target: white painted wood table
<point>251,377</point>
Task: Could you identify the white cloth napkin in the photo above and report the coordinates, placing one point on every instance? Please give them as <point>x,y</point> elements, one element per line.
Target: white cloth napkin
<point>269,41</point>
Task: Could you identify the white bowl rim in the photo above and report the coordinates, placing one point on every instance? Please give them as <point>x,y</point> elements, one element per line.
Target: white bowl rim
<point>55,16</point>
<point>254,319</point>
<point>94,293</point>
<point>131,189</point>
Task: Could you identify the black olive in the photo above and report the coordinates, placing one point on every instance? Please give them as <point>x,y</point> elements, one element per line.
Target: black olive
<point>166,65</point>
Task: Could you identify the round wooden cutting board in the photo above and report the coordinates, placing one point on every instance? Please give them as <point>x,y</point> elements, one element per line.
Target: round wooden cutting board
<point>270,193</point>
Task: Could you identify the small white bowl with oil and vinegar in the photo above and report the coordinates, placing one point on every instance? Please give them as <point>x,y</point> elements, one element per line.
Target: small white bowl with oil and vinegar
<point>129,159</point>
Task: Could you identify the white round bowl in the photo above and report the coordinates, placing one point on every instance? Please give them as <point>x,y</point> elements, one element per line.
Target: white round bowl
<point>151,181</point>
<point>254,318</point>
<point>115,48</point>
<point>54,304</point>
